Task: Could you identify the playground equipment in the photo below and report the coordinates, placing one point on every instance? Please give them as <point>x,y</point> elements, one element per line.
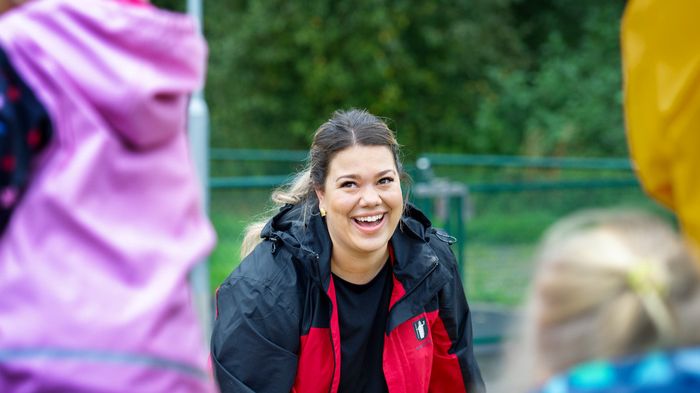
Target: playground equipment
<point>445,202</point>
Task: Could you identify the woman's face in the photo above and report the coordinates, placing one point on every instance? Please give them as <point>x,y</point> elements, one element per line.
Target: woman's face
<point>363,200</point>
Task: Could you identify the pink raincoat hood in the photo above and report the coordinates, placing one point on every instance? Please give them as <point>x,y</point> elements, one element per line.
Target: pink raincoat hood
<point>94,262</point>
<point>119,46</point>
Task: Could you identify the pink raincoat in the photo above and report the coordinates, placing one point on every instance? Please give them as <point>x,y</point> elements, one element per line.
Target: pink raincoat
<point>94,262</point>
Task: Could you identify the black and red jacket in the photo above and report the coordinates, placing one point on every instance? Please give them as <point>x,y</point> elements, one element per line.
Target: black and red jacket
<point>277,326</point>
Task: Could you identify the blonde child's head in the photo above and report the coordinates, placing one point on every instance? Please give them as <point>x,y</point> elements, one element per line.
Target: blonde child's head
<point>608,283</point>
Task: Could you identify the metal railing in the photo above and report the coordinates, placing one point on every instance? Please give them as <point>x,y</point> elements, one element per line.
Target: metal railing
<point>445,201</point>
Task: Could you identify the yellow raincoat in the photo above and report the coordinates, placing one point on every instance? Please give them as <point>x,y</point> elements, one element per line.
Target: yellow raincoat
<point>661,64</point>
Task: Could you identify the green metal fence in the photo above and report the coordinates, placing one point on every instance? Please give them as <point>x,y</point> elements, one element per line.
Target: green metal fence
<point>508,202</point>
<point>497,207</point>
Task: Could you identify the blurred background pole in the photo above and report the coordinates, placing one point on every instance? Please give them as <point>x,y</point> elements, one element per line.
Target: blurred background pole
<point>198,131</point>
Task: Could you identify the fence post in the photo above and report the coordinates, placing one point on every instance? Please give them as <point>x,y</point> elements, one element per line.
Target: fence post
<point>198,132</point>
<point>445,203</point>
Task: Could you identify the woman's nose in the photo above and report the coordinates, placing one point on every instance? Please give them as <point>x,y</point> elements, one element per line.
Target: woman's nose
<point>370,197</point>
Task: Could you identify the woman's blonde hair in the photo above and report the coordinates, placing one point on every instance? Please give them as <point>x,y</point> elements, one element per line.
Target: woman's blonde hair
<point>344,129</point>
<point>608,283</point>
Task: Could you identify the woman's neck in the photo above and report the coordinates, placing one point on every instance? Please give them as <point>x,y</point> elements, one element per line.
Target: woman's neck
<point>358,269</point>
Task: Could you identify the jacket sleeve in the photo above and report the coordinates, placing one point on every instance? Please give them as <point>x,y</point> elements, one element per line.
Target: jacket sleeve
<point>255,339</point>
<point>24,132</point>
<point>454,364</point>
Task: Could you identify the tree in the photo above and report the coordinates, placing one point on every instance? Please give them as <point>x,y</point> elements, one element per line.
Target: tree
<point>280,68</point>
<point>479,76</point>
<point>568,101</point>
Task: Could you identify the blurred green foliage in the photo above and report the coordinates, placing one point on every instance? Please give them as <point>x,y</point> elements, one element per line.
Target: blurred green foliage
<point>476,76</point>
<point>568,101</point>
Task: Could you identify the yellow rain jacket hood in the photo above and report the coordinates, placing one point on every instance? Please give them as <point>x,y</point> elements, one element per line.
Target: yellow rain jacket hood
<point>661,64</point>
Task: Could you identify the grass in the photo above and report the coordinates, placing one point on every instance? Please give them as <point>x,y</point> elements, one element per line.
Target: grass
<point>225,256</point>
<point>497,273</point>
<point>231,211</point>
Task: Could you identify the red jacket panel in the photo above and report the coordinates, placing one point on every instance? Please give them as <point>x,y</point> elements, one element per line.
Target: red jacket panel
<point>277,325</point>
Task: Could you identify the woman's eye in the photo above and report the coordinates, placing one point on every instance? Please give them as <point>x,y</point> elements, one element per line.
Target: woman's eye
<point>386,180</point>
<point>347,184</point>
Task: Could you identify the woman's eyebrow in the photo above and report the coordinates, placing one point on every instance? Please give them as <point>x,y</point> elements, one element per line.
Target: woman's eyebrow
<point>353,176</point>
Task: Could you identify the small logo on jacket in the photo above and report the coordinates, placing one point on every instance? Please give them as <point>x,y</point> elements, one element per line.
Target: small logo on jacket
<point>420,329</point>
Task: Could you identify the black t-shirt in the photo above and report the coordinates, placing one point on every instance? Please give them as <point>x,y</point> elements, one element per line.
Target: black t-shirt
<point>362,315</point>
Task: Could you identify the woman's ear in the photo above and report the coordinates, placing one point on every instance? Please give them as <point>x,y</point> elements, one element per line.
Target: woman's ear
<point>321,197</point>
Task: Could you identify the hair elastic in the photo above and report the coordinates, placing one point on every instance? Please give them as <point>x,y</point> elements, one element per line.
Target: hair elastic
<point>643,279</point>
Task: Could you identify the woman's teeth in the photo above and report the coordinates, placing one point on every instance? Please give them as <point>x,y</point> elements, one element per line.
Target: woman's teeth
<point>370,218</point>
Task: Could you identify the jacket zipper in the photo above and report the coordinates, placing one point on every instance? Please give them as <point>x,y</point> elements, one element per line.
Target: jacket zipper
<point>330,337</point>
<point>330,323</point>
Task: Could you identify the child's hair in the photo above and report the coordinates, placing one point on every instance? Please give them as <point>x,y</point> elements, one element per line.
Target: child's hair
<point>607,283</point>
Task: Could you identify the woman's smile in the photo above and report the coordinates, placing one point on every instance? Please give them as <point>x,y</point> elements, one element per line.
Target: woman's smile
<point>370,224</point>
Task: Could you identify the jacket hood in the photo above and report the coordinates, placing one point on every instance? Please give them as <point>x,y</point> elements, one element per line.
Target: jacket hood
<point>306,238</point>
<point>310,243</point>
<point>133,66</point>
<point>661,74</point>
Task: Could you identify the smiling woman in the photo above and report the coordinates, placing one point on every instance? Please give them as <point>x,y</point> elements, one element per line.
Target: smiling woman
<point>347,288</point>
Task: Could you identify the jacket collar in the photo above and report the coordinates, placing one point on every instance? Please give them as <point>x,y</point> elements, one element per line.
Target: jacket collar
<point>310,243</point>
<point>413,256</point>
